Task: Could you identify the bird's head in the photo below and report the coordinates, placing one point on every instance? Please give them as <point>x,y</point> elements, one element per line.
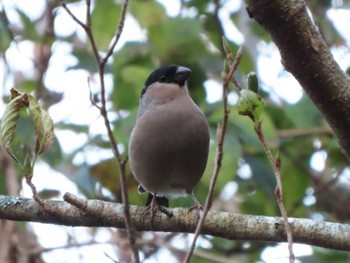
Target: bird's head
<point>166,83</point>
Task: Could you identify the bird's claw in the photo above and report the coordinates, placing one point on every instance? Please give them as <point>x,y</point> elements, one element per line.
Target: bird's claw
<point>197,207</point>
<point>154,206</point>
<point>165,211</point>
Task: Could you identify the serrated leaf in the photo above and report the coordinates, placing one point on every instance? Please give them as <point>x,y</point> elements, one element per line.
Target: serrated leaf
<point>43,126</point>
<point>10,118</point>
<point>250,104</point>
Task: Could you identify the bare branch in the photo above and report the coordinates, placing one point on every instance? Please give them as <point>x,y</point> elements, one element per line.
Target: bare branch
<point>221,224</point>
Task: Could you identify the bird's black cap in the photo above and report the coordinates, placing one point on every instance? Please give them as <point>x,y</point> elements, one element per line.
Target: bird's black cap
<point>168,74</point>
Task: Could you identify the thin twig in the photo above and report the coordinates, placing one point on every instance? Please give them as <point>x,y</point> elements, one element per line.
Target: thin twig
<point>119,31</point>
<point>279,190</point>
<point>35,193</point>
<point>65,7</point>
<point>221,130</point>
<point>101,67</point>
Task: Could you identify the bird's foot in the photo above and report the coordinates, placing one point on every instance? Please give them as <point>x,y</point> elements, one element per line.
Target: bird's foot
<point>199,210</point>
<point>153,207</point>
<point>165,211</point>
<point>197,207</point>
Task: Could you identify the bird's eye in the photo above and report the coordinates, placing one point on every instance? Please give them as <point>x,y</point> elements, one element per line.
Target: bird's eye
<point>162,79</point>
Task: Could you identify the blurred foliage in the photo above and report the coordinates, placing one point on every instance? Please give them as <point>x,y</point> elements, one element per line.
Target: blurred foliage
<point>193,38</point>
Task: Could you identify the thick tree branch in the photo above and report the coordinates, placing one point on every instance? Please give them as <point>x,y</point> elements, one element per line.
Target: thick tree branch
<point>95,213</point>
<point>305,54</point>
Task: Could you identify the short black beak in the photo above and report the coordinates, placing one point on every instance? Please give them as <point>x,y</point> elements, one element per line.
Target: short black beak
<point>182,74</point>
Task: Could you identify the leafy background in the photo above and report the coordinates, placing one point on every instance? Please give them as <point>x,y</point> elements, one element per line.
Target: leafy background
<point>32,50</point>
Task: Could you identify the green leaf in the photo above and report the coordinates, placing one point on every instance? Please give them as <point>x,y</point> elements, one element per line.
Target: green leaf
<point>295,178</point>
<point>132,53</point>
<point>78,128</point>
<point>169,42</point>
<point>232,151</point>
<point>259,31</point>
<point>28,85</point>
<point>43,126</point>
<point>262,173</point>
<point>212,31</point>
<point>195,83</point>
<point>86,184</point>
<point>6,35</point>
<point>105,19</point>
<point>129,82</point>
<point>10,117</point>
<point>147,12</point>
<point>250,104</point>
<point>304,114</point>
<point>3,179</point>
<point>200,5</point>
<point>86,60</point>
<point>28,26</point>
<point>123,127</point>
<point>55,157</point>
<point>107,173</point>
<point>279,117</point>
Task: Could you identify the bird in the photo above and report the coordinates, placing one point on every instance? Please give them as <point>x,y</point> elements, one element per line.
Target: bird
<point>169,144</point>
